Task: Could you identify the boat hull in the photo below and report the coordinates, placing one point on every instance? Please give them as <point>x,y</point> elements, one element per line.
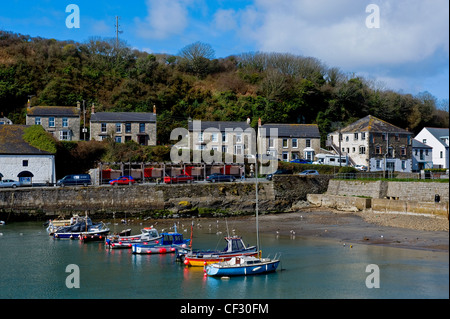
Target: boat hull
<point>248,270</point>
<point>156,249</point>
<point>99,235</point>
<point>195,261</point>
<point>127,244</point>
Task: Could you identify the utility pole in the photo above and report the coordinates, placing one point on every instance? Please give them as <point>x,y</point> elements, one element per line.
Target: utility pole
<point>117,31</point>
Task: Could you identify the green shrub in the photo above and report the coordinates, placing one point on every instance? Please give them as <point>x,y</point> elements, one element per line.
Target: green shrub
<point>37,137</point>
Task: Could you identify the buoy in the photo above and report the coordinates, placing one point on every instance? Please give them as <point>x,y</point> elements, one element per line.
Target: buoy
<point>351,246</point>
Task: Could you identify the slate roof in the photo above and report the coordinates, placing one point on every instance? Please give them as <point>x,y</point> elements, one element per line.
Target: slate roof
<point>372,124</point>
<point>120,117</point>
<point>438,133</point>
<point>11,141</point>
<point>418,144</point>
<point>294,130</point>
<point>57,111</point>
<point>220,125</point>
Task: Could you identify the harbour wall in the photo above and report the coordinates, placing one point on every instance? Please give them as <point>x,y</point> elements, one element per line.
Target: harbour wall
<point>385,197</point>
<point>283,194</point>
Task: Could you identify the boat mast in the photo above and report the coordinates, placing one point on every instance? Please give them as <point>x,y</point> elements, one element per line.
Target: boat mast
<point>258,246</point>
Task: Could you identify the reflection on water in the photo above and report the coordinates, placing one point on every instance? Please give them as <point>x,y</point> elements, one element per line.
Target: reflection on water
<point>33,266</point>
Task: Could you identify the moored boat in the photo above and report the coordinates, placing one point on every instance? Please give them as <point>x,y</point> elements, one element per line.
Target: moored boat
<point>235,247</point>
<point>169,243</point>
<point>243,266</point>
<point>149,235</point>
<point>83,227</point>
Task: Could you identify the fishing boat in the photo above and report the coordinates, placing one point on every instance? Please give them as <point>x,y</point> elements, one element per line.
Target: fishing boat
<point>82,229</point>
<point>2,222</point>
<point>54,224</point>
<point>169,243</point>
<point>245,265</point>
<point>235,247</point>
<point>124,240</point>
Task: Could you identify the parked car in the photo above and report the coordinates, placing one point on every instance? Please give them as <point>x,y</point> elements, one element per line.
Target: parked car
<point>362,168</point>
<point>301,161</point>
<point>179,179</point>
<point>122,180</point>
<point>279,172</point>
<point>309,172</point>
<point>9,183</point>
<point>220,178</point>
<point>75,180</point>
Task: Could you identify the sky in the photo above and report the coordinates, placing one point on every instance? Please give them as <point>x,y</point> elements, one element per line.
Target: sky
<point>400,45</point>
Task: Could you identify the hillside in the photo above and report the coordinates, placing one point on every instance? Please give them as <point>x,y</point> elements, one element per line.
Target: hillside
<point>277,87</point>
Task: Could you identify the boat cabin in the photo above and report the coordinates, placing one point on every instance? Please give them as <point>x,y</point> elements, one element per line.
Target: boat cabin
<point>171,239</point>
<point>234,243</point>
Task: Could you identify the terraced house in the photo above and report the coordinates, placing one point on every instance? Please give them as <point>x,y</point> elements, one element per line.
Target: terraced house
<point>374,143</point>
<point>62,121</point>
<point>124,126</point>
<point>288,142</point>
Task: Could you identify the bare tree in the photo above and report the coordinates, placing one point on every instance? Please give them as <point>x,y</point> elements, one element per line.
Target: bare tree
<point>197,50</point>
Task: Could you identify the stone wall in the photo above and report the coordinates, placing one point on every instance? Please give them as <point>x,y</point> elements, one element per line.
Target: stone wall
<point>418,191</point>
<point>198,198</point>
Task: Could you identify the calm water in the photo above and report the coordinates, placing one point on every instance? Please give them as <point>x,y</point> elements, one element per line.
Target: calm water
<point>33,265</point>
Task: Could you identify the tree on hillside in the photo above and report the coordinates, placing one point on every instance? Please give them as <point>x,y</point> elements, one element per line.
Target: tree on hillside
<point>196,58</point>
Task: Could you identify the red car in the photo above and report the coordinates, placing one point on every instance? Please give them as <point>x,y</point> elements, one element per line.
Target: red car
<point>123,180</point>
<point>179,179</point>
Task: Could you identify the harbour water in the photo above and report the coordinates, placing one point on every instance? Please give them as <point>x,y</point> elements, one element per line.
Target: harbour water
<point>33,266</point>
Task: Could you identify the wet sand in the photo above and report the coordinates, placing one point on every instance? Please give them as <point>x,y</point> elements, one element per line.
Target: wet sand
<point>395,230</point>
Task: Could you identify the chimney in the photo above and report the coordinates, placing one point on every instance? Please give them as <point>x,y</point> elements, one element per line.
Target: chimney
<point>248,120</point>
<point>259,122</point>
<point>154,109</point>
<point>92,108</point>
<point>29,104</point>
<point>78,105</point>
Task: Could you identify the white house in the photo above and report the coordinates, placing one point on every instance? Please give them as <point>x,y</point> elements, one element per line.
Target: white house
<point>437,138</point>
<point>22,162</point>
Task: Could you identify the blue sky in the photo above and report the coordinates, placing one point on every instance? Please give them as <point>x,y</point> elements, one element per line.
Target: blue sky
<point>408,52</point>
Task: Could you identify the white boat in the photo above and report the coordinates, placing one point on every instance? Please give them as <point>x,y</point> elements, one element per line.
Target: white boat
<point>2,222</point>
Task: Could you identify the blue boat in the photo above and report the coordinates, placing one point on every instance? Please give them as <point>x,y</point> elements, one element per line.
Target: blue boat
<point>169,243</point>
<point>243,266</point>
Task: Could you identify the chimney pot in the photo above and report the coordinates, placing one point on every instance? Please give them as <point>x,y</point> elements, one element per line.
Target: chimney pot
<point>92,108</point>
<point>259,122</point>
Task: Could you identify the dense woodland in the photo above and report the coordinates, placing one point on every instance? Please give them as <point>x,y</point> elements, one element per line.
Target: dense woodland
<point>277,87</point>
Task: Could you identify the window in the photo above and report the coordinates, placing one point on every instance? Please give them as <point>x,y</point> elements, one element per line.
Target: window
<point>355,136</point>
<point>441,154</point>
<point>424,141</point>
<point>403,165</point>
<point>378,163</point>
<point>347,138</point>
<point>214,137</point>
<point>426,153</point>
<point>308,143</point>
<point>224,137</point>
<point>127,127</point>
<point>378,149</point>
<point>294,143</point>
<point>362,150</point>
<point>353,149</point>
<point>37,121</point>
<point>403,151</point>
<point>103,127</point>
<point>51,122</point>
<point>119,128</point>
<point>25,163</point>
<point>285,156</point>
<point>224,149</point>
<point>421,155</point>
<point>238,150</point>
<point>384,136</point>
<point>65,122</point>
<point>64,135</point>
<point>238,138</point>
<point>271,142</point>
<point>141,127</point>
<point>118,139</point>
<point>200,137</point>
<point>285,143</point>
<point>363,136</point>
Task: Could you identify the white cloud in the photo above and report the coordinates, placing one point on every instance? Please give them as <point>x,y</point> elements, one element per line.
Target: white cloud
<point>164,19</point>
<point>335,31</point>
